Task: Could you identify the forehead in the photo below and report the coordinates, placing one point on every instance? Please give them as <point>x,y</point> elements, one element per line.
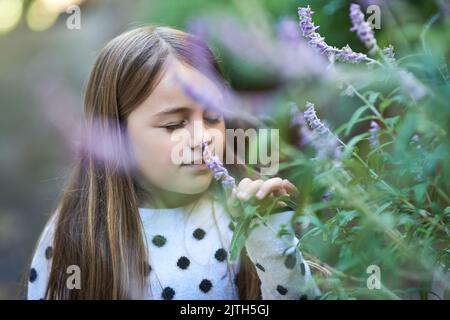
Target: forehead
<point>170,91</point>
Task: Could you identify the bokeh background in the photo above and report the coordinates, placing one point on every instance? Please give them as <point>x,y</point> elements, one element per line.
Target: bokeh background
<point>44,67</point>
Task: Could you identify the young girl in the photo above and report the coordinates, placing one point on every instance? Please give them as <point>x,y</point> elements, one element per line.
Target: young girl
<point>139,226</point>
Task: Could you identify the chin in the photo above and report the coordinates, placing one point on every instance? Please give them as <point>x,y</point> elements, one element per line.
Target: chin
<point>197,185</point>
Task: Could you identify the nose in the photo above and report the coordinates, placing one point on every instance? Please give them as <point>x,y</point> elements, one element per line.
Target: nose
<point>200,135</point>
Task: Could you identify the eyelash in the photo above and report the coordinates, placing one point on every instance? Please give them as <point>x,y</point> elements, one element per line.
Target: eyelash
<point>175,126</point>
<point>214,120</point>
<point>182,123</point>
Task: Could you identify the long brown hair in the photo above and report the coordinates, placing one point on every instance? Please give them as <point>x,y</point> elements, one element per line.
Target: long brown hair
<point>98,224</point>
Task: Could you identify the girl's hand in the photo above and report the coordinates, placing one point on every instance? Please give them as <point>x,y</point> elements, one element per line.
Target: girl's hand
<point>257,191</point>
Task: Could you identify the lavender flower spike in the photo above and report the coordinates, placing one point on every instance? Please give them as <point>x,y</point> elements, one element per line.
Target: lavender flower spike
<point>323,140</point>
<point>389,54</point>
<point>348,55</point>
<point>314,122</point>
<point>374,136</point>
<point>316,41</point>
<point>362,28</point>
<point>215,165</point>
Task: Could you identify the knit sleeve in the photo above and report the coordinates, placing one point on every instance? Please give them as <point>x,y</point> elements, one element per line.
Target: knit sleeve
<point>283,272</point>
<point>41,263</point>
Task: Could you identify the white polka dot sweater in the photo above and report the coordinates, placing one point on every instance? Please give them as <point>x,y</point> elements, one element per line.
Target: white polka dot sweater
<point>188,249</point>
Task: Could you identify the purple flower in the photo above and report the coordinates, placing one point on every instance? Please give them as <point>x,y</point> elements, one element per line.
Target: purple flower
<point>205,98</point>
<point>389,54</point>
<point>297,118</point>
<point>316,41</point>
<point>325,143</point>
<point>313,121</point>
<point>313,131</point>
<point>309,32</point>
<point>327,147</point>
<point>215,165</point>
<point>411,84</point>
<point>287,30</point>
<point>362,28</point>
<point>374,136</point>
<point>348,55</point>
<point>286,55</point>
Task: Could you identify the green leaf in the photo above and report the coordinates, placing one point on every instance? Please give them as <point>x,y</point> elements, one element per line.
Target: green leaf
<point>345,217</point>
<point>355,118</point>
<point>420,191</point>
<point>373,96</point>
<point>334,234</point>
<point>392,122</point>
<point>241,231</point>
<point>447,211</point>
<point>383,207</point>
<point>239,237</point>
<point>349,146</point>
<point>342,127</point>
<point>249,210</point>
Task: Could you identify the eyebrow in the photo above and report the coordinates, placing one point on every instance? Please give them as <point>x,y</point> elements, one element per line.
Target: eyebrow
<point>174,110</point>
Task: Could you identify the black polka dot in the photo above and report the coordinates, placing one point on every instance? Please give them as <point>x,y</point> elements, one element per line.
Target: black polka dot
<point>168,293</point>
<point>49,252</point>
<point>303,297</point>
<point>260,267</point>
<point>282,290</point>
<point>183,263</point>
<point>231,226</point>
<point>205,285</point>
<point>33,274</point>
<point>221,254</point>
<point>148,269</point>
<point>199,234</point>
<point>302,268</point>
<point>159,240</point>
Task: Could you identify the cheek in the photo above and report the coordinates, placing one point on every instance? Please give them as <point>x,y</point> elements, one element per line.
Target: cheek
<point>152,149</point>
<point>156,152</point>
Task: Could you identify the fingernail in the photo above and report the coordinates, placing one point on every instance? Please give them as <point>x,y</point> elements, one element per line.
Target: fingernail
<point>259,194</point>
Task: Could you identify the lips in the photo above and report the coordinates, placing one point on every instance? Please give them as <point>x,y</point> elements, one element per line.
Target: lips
<point>196,167</point>
<point>195,162</point>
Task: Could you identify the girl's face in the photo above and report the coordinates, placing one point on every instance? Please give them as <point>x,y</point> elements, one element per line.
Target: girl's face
<point>166,113</point>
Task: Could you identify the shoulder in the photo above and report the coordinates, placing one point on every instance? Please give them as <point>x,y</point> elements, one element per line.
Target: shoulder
<point>41,262</point>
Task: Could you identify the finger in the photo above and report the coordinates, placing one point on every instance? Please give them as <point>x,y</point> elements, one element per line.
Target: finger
<point>242,185</point>
<point>280,192</point>
<point>246,193</point>
<point>244,182</point>
<point>234,204</point>
<point>290,187</point>
<point>269,186</point>
<point>233,201</point>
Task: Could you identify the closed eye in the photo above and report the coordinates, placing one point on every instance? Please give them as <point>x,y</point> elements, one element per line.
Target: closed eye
<point>213,120</point>
<point>212,117</point>
<point>174,126</point>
